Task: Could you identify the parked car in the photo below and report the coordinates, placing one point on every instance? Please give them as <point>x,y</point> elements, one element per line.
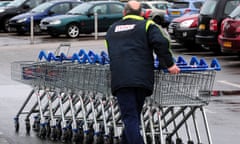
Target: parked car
<point>229,39</point>
<point>157,10</point>
<point>22,23</point>
<point>81,19</point>
<point>184,29</point>
<point>209,21</point>
<point>182,7</point>
<point>14,8</point>
<point>4,3</point>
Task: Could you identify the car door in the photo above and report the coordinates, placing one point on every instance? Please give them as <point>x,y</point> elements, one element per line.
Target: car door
<point>89,21</point>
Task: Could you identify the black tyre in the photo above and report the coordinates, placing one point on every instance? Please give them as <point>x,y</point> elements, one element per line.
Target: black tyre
<point>73,31</point>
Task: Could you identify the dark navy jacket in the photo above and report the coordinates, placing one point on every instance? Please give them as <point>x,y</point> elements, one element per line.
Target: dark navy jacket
<point>131,43</point>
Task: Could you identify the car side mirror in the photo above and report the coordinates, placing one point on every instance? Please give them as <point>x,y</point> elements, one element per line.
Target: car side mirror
<point>90,14</point>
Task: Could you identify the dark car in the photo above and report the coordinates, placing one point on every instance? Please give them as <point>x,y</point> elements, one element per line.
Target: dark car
<point>229,39</point>
<point>21,23</point>
<point>14,8</point>
<point>209,21</point>
<point>81,19</point>
<point>184,29</point>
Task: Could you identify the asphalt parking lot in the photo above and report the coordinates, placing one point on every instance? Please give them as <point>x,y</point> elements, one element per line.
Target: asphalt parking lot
<point>223,110</point>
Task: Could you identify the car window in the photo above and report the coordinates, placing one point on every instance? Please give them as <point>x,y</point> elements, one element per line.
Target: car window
<point>180,5</point>
<point>61,8</point>
<point>42,7</point>
<point>198,5</point>
<point>99,9</point>
<point>80,9</point>
<point>160,6</point>
<point>145,6</point>
<point>115,8</point>
<point>235,13</point>
<point>230,6</point>
<point>208,7</point>
<point>75,4</point>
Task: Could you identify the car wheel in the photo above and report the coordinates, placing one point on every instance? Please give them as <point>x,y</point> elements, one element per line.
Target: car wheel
<point>6,25</point>
<point>73,31</point>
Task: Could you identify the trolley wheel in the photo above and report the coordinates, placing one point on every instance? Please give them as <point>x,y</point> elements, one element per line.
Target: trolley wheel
<point>169,140</point>
<point>48,130</point>
<point>77,136</point>
<point>28,126</point>
<point>98,139</point>
<point>16,124</point>
<point>179,141</point>
<point>116,140</point>
<point>54,134</point>
<point>42,132</point>
<point>149,139</point>
<point>107,140</point>
<point>36,125</point>
<point>157,139</point>
<point>65,136</point>
<point>190,142</point>
<point>59,133</point>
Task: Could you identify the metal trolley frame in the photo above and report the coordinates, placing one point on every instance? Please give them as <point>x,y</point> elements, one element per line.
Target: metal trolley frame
<point>74,102</point>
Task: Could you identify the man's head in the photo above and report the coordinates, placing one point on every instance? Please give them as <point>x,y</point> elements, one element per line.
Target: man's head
<point>132,8</point>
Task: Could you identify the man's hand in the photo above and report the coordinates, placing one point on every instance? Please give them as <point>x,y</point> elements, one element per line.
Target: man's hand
<point>174,69</point>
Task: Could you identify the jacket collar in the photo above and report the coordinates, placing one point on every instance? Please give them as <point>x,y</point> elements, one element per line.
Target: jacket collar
<point>136,17</point>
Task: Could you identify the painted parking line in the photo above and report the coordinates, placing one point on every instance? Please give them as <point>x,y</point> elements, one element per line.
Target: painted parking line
<point>229,83</point>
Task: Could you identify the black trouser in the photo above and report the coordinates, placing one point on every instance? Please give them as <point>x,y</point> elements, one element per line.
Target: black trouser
<point>131,102</point>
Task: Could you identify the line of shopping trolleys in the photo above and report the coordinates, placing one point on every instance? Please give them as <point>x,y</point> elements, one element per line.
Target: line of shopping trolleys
<point>71,100</point>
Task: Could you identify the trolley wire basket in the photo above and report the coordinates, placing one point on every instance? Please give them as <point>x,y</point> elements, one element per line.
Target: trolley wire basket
<point>185,88</point>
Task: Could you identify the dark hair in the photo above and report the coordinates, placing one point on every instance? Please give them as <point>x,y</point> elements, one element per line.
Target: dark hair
<point>130,11</point>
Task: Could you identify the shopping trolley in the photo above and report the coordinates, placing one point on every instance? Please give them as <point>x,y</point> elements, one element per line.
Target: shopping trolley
<point>74,101</point>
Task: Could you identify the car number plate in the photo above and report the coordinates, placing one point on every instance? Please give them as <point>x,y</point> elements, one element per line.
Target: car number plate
<point>175,12</point>
<point>227,44</point>
<point>202,27</point>
<point>170,30</point>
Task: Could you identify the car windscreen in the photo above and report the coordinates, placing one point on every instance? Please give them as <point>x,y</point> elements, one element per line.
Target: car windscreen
<point>230,6</point>
<point>16,3</point>
<point>208,7</point>
<point>235,13</point>
<point>42,7</point>
<point>179,5</point>
<point>160,6</point>
<point>81,9</point>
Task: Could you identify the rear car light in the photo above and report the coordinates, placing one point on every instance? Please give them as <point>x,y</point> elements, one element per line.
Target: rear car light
<point>167,13</point>
<point>147,13</point>
<point>213,25</point>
